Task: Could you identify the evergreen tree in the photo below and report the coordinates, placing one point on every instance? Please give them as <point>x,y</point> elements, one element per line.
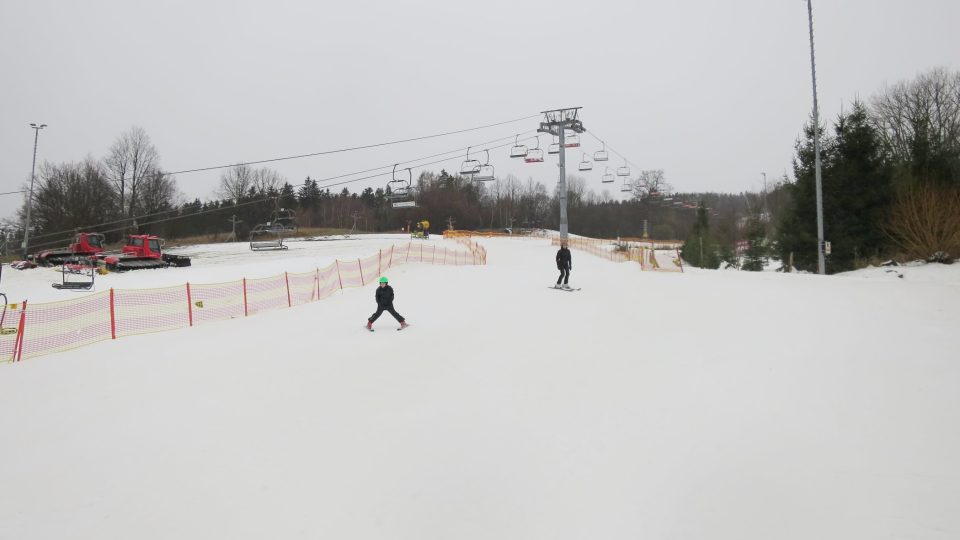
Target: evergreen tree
<point>857,192</point>
<point>755,257</point>
<point>699,250</point>
<point>797,229</point>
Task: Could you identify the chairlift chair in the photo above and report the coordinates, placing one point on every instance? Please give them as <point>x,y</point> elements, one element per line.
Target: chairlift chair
<point>554,147</point>
<point>264,237</point>
<point>585,165</point>
<point>470,166</point>
<point>284,220</point>
<point>571,141</point>
<point>534,155</point>
<point>626,187</point>
<point>82,271</point>
<point>601,155</point>
<point>623,171</point>
<point>607,177</point>
<point>400,184</point>
<point>485,174</point>
<point>518,150</point>
<point>397,181</point>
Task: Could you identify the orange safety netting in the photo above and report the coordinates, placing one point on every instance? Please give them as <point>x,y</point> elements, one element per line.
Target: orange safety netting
<point>29,330</point>
<point>620,251</point>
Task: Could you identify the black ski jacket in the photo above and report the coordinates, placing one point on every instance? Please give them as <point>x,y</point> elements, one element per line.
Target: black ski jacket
<point>564,260</point>
<point>384,296</point>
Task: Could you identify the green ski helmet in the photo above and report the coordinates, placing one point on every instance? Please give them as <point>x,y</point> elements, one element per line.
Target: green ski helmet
<point>384,280</point>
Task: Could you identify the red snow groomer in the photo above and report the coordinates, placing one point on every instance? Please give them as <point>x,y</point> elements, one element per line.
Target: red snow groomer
<point>141,252</point>
<point>85,245</point>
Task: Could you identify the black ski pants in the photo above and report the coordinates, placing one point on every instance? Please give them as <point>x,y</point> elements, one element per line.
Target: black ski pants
<point>389,308</point>
<point>564,276</point>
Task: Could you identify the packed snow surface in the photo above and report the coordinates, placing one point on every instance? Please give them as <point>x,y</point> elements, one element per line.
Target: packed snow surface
<point>702,405</point>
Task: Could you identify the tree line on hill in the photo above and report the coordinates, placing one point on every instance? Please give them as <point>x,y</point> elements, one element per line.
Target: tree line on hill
<point>891,187</point>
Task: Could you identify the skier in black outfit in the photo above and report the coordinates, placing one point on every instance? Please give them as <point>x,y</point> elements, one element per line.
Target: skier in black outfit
<point>384,297</point>
<point>564,264</point>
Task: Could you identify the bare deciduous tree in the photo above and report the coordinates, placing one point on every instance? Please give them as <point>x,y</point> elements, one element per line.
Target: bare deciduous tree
<point>649,182</point>
<point>236,182</point>
<point>130,160</point>
<point>71,195</point>
<point>925,111</point>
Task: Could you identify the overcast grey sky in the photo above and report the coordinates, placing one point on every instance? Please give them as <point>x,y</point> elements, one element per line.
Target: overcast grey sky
<point>712,92</point>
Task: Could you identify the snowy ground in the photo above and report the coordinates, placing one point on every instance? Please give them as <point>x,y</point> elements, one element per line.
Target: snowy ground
<point>703,405</point>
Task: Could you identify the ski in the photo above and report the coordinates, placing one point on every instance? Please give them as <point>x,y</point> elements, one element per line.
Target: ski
<point>562,289</point>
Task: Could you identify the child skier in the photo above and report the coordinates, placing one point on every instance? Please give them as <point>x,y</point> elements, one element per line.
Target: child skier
<point>384,297</point>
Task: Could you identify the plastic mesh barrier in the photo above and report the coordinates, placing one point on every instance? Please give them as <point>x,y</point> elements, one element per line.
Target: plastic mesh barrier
<point>30,330</point>
<point>139,311</point>
<point>216,301</point>
<point>616,251</point>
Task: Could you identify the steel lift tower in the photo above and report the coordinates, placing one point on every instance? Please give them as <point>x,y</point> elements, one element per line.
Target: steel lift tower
<point>556,123</point>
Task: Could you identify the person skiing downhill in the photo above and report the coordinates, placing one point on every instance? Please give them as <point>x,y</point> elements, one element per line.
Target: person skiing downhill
<point>384,297</point>
<point>564,264</point>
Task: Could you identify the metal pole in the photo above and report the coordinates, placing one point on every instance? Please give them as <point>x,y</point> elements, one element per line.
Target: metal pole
<point>33,170</point>
<point>821,263</point>
<point>563,189</point>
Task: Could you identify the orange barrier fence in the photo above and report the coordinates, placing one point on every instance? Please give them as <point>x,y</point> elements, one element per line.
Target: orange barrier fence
<point>615,251</point>
<point>30,330</point>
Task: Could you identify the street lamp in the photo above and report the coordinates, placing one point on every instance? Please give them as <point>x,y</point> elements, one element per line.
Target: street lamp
<point>821,264</point>
<point>33,170</point>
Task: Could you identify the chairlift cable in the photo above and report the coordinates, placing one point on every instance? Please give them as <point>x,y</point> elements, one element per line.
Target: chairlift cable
<point>336,151</point>
<point>262,199</point>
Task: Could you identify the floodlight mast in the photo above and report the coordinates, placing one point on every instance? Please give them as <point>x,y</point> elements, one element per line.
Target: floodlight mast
<point>556,122</point>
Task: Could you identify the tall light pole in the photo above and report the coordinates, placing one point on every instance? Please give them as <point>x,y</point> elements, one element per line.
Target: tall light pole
<point>33,170</point>
<point>821,264</point>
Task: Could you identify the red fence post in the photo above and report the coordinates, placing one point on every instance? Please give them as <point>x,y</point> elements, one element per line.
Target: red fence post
<point>245,312</point>
<point>390,262</point>
<point>680,260</point>
<point>286,277</point>
<point>340,279</point>
<point>18,343</point>
<point>380,263</point>
<point>409,247</point>
<point>189,304</point>
<point>113,318</point>
<point>360,266</point>
<point>316,279</point>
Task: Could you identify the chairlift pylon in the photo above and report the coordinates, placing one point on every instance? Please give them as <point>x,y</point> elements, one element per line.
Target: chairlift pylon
<point>607,177</point>
<point>518,150</point>
<point>470,166</point>
<point>601,155</point>
<point>585,164</point>
<point>534,155</point>
<point>485,174</point>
